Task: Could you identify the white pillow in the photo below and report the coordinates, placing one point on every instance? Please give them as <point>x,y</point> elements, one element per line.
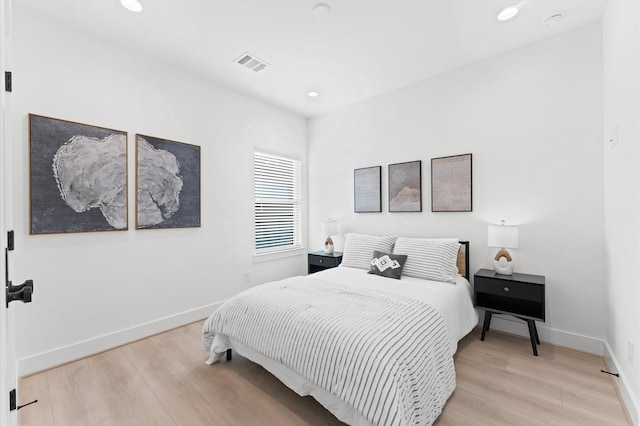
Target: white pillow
<point>429,258</point>
<point>359,248</point>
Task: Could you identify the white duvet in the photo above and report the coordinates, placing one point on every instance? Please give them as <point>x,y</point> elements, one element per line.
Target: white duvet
<point>453,301</point>
<point>450,303</point>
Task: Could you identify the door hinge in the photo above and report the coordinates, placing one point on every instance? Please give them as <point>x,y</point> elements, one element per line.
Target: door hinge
<point>13,402</point>
<point>7,81</point>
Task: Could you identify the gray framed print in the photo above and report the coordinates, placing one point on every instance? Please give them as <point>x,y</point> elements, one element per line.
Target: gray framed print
<point>367,192</point>
<point>451,185</point>
<point>167,184</point>
<point>405,187</point>
<point>77,177</point>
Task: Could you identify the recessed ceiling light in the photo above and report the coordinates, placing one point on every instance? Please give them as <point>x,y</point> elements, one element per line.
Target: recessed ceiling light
<point>132,5</point>
<point>322,10</point>
<point>508,13</point>
<point>313,93</point>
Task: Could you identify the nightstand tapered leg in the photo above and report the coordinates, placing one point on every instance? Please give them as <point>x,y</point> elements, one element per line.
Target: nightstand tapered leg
<point>487,323</point>
<point>536,332</point>
<point>533,336</point>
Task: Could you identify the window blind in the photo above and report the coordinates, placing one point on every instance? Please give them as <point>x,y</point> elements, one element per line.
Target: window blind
<point>277,203</point>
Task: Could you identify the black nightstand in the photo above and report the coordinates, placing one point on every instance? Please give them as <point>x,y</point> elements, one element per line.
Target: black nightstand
<point>319,260</point>
<point>520,295</point>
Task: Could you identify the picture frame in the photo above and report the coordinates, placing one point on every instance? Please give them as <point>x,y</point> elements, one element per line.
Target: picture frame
<point>168,181</point>
<point>367,190</point>
<point>77,177</point>
<point>405,187</point>
<point>451,184</point>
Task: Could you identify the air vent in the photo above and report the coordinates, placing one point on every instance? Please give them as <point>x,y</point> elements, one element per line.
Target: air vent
<point>251,61</point>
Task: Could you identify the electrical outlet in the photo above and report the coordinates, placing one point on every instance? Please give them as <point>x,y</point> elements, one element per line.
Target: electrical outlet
<point>630,350</point>
<point>247,276</point>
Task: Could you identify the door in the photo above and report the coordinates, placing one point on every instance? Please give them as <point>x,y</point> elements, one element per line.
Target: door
<point>7,352</point>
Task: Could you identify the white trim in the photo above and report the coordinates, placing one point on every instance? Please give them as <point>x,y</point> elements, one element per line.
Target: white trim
<point>571,340</point>
<point>630,400</point>
<point>280,254</point>
<point>65,354</point>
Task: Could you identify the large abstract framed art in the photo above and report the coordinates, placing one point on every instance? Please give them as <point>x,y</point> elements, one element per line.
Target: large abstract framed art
<point>367,191</point>
<point>451,184</point>
<point>405,187</point>
<point>167,184</point>
<point>77,177</point>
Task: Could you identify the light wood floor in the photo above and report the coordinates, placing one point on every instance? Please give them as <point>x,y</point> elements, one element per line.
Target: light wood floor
<point>162,380</point>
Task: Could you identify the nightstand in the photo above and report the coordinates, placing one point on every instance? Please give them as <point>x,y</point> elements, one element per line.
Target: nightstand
<point>520,295</point>
<point>319,260</point>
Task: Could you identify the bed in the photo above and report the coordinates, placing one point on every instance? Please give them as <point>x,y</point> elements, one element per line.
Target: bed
<point>371,349</point>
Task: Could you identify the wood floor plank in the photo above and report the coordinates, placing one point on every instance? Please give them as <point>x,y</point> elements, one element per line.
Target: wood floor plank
<point>129,399</point>
<point>75,396</point>
<point>41,413</point>
<point>166,382</point>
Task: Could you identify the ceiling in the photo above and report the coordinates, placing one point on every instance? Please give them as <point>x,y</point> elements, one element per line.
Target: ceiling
<point>362,49</point>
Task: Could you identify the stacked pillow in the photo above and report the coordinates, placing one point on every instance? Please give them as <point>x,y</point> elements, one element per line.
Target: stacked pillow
<point>426,258</point>
<point>429,258</point>
<point>359,248</point>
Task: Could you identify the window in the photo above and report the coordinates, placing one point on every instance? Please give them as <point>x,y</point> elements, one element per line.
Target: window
<point>277,203</point>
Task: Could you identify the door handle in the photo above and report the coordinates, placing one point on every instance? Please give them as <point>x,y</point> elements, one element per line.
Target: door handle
<point>20,292</point>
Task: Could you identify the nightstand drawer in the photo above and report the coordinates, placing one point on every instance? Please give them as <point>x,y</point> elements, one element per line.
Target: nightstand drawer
<point>511,289</point>
<point>326,261</point>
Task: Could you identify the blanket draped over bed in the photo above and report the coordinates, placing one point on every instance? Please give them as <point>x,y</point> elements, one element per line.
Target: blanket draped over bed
<point>387,355</point>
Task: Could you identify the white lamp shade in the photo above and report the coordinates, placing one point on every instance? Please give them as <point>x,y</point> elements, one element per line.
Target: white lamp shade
<point>503,236</point>
<point>330,227</point>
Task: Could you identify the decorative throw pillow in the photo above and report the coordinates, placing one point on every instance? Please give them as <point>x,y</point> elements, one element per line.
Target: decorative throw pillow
<point>429,258</point>
<point>387,265</point>
<point>358,249</point>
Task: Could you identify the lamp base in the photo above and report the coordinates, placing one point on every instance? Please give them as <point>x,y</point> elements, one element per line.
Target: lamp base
<point>328,246</point>
<point>503,263</point>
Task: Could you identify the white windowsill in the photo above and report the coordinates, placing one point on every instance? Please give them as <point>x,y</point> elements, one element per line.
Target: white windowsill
<point>267,257</point>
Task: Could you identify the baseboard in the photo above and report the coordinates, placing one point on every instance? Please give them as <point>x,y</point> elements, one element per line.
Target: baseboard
<point>579,342</point>
<point>630,400</point>
<point>65,354</point>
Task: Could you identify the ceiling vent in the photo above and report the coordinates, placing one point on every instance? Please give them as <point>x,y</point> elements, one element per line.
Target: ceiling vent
<point>251,61</point>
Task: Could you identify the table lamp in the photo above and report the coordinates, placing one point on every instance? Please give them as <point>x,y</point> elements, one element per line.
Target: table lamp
<point>503,237</point>
<point>329,228</point>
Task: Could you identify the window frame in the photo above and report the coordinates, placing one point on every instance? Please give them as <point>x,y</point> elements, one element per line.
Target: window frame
<point>291,187</point>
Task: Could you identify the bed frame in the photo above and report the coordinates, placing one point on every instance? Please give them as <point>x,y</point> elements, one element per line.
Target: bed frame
<point>463,259</point>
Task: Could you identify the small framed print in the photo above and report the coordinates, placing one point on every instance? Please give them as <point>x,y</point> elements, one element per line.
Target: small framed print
<point>451,184</point>
<point>405,187</point>
<point>367,194</point>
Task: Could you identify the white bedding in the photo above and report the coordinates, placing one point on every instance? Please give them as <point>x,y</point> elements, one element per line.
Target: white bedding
<point>451,301</point>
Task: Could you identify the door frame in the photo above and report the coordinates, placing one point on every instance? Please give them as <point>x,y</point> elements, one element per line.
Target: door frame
<point>8,368</point>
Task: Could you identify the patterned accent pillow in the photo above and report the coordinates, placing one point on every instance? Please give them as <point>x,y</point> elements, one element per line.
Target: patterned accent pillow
<point>387,265</point>
<point>429,258</point>
<point>358,249</point>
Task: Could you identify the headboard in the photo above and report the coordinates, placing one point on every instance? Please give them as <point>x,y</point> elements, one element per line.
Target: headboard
<point>463,259</point>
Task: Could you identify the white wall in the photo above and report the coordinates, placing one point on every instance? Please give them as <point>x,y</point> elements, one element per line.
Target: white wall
<point>621,60</point>
<point>532,118</point>
<point>97,290</point>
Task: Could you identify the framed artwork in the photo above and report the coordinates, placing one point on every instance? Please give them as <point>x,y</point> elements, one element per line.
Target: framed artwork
<point>77,177</point>
<point>367,183</point>
<point>451,184</point>
<point>167,184</point>
<point>405,187</point>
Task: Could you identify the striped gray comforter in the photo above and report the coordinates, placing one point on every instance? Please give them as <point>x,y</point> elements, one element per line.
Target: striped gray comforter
<point>386,355</point>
